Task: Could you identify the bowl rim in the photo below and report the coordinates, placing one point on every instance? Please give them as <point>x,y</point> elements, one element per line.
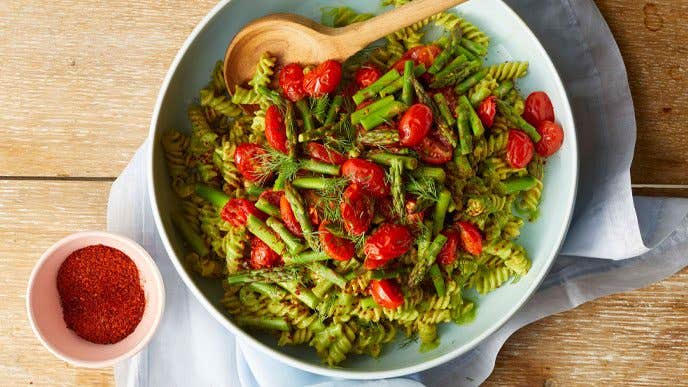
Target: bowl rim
<point>324,370</point>
<point>104,237</point>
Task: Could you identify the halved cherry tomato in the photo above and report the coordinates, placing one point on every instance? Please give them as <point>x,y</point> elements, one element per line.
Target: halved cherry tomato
<point>386,293</point>
<point>366,75</point>
<point>414,125</point>
<point>356,209</point>
<point>272,197</point>
<point>368,174</point>
<point>323,79</point>
<point>471,239</point>
<point>421,54</point>
<point>388,242</point>
<point>262,256</point>
<point>487,111</point>
<point>322,153</point>
<point>291,82</point>
<point>275,131</point>
<point>538,108</point>
<point>448,253</point>
<point>338,248</point>
<point>552,138</point>
<point>288,217</point>
<point>246,159</point>
<point>519,149</point>
<point>433,150</point>
<point>236,211</point>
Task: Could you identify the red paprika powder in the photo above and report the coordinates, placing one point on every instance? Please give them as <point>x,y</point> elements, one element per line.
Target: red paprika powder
<point>101,294</point>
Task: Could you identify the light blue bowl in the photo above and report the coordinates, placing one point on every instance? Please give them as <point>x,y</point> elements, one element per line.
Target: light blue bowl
<point>510,39</point>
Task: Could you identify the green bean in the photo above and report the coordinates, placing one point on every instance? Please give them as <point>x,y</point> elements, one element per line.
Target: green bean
<point>475,48</point>
<point>321,108</point>
<point>215,197</point>
<point>190,236</point>
<point>318,183</point>
<point>263,322</point>
<point>306,115</point>
<point>271,275</point>
<point>476,124</point>
<point>301,215</point>
<point>306,257</point>
<point>359,114</point>
<point>320,167</point>
<point>434,173</point>
<point>265,234</point>
<point>293,244</point>
<point>327,273</point>
<point>444,109</point>
<point>517,120</point>
<point>397,188</point>
<point>440,211</point>
<point>383,115</point>
<point>384,158</point>
<point>268,208</point>
<point>504,88</point>
<point>437,280</point>
<point>407,89</point>
<point>376,86</point>
<point>516,184</point>
<point>465,135</point>
<point>290,128</point>
<point>268,290</point>
<point>301,292</point>
<point>469,82</point>
<point>379,137</point>
<point>332,112</point>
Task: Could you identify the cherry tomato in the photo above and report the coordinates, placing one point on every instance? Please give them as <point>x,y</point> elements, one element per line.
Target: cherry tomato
<point>421,54</point>
<point>322,153</point>
<point>236,211</point>
<point>323,79</point>
<point>356,209</point>
<point>262,256</point>
<point>288,217</point>
<point>338,248</point>
<point>291,82</point>
<point>386,293</point>
<point>552,138</point>
<point>388,242</point>
<point>487,111</point>
<point>275,131</point>
<point>433,150</point>
<point>414,125</point>
<point>538,108</point>
<point>370,175</point>
<point>246,159</point>
<point>272,197</point>
<point>315,205</point>
<point>471,239</point>
<point>366,75</point>
<point>412,214</point>
<point>519,149</point>
<point>448,253</point>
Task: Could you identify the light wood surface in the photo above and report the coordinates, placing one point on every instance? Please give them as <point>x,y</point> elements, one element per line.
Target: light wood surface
<point>78,85</point>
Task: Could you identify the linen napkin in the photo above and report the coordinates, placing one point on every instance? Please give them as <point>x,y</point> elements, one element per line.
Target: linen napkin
<point>616,242</point>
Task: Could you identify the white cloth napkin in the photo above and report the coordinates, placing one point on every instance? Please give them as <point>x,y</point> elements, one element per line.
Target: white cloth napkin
<point>616,242</point>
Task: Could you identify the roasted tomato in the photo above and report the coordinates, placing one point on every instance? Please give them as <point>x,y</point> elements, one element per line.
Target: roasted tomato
<point>388,242</point>
<point>519,149</point>
<point>538,108</point>
<point>413,215</point>
<point>487,111</point>
<point>288,217</point>
<point>421,54</point>
<point>356,209</point>
<point>275,131</point>
<point>414,125</point>
<point>323,79</point>
<point>272,197</point>
<point>368,174</point>
<point>262,256</point>
<point>338,248</point>
<point>246,158</point>
<point>291,82</point>
<point>236,211</point>
<point>471,239</point>
<point>366,75</point>
<point>552,138</point>
<point>448,253</point>
<point>386,293</point>
<point>433,150</point>
<point>322,153</point>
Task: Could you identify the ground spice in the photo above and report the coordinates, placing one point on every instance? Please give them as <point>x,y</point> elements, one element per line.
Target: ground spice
<point>101,294</point>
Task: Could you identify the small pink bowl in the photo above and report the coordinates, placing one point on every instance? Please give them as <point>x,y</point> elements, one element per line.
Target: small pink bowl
<point>45,312</point>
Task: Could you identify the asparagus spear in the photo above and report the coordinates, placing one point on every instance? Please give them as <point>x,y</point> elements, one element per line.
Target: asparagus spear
<point>306,257</point>
<point>263,322</point>
<point>264,233</point>
<point>301,292</point>
<point>440,211</point>
<point>327,273</point>
<point>271,95</point>
<point>397,187</point>
<point>318,183</point>
<point>516,184</point>
<point>465,135</point>
<point>321,108</point>
<point>407,89</point>
<point>359,114</point>
<point>299,209</point>
<point>517,120</point>
<point>475,48</point>
<point>293,244</point>
<point>426,258</point>
<point>194,240</point>
<point>320,167</point>
<point>306,114</point>
<point>269,290</point>
<point>437,279</point>
<point>215,197</point>
<point>425,99</point>
<point>476,124</point>
<point>434,173</point>
<point>504,88</point>
<point>290,127</point>
<point>384,158</point>
<point>317,133</point>
<point>379,137</point>
<point>267,208</point>
<point>469,82</point>
<point>383,115</point>
<point>444,109</point>
<point>272,275</point>
<point>376,86</point>
<point>335,106</point>
<point>398,84</point>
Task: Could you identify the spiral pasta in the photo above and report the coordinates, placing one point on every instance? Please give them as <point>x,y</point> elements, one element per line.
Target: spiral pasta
<point>508,70</point>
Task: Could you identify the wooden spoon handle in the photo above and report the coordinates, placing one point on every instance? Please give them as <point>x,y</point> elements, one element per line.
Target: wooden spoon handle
<point>361,34</point>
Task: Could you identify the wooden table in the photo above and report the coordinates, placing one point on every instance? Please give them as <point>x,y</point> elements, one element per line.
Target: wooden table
<point>78,85</point>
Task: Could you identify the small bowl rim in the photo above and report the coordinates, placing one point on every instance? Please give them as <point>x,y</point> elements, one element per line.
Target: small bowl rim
<point>104,237</point>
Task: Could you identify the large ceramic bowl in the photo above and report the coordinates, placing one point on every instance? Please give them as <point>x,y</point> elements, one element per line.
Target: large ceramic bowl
<point>510,38</point>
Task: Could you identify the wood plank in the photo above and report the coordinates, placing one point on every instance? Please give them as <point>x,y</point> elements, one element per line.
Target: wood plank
<point>33,215</point>
<point>673,192</point>
<point>637,336</point>
<point>652,36</point>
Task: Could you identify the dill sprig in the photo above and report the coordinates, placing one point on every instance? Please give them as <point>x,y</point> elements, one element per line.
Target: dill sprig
<point>331,198</point>
<point>277,162</point>
<point>426,189</point>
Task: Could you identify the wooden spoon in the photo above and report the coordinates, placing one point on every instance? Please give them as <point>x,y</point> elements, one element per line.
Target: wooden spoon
<point>294,38</point>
